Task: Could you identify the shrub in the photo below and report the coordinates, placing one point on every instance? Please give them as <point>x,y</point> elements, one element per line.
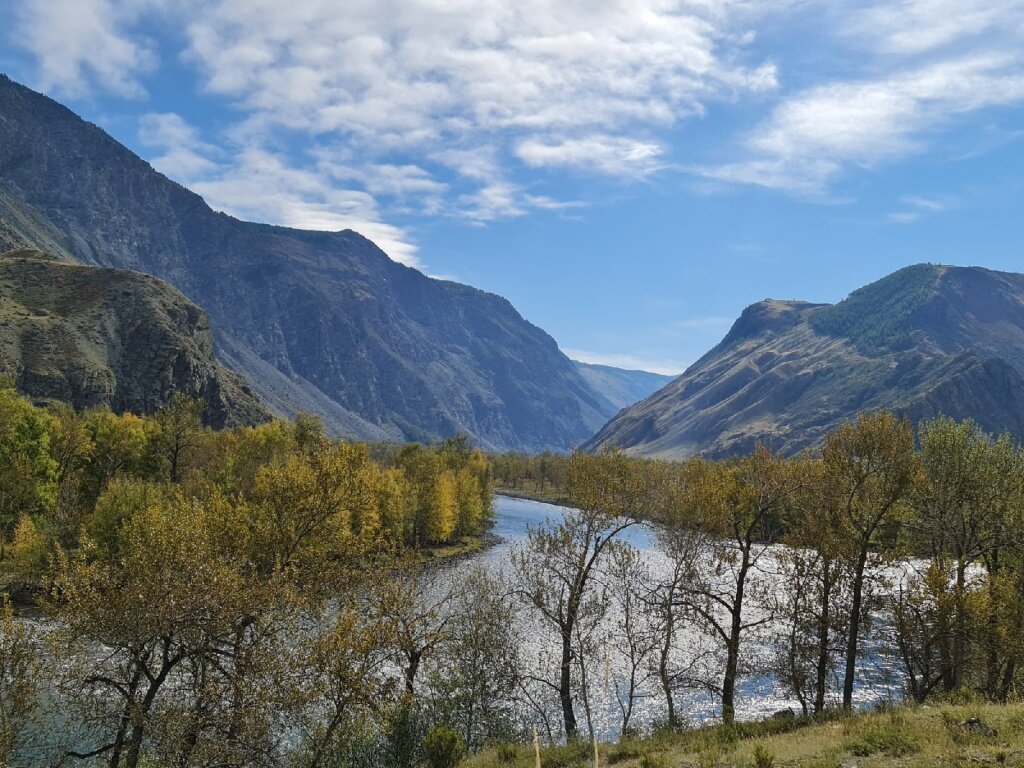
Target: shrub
<point>443,747</point>
<point>653,760</point>
<point>763,758</point>
<point>575,753</point>
<point>881,735</point>
<point>506,752</point>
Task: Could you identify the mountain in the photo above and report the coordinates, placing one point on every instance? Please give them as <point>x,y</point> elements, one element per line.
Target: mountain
<point>90,336</point>
<point>620,387</point>
<point>924,341</point>
<point>316,321</point>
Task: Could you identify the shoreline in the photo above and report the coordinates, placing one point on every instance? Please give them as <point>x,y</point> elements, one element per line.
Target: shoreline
<point>558,501</point>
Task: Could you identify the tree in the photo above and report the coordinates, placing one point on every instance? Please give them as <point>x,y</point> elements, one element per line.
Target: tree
<point>682,545</point>
<point>28,479</point>
<point>740,504</point>
<point>164,602</point>
<point>871,467</point>
<point>179,426</point>
<point>473,682</point>
<point>416,605</point>
<point>635,636</point>
<point>21,676</point>
<point>444,512</point>
<point>339,678</point>
<point>814,594</point>
<point>119,445</point>
<point>555,569</point>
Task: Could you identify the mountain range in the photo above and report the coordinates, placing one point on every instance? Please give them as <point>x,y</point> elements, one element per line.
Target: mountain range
<point>924,341</point>
<point>620,387</point>
<point>317,321</point>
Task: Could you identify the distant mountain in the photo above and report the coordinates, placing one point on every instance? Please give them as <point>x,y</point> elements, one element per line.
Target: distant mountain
<point>317,321</point>
<point>620,387</point>
<point>924,341</point>
<point>91,336</point>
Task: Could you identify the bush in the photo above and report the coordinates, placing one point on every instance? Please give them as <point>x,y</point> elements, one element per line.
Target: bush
<point>575,753</point>
<point>506,752</point>
<point>443,747</point>
<point>653,760</point>
<point>763,758</point>
<point>881,735</point>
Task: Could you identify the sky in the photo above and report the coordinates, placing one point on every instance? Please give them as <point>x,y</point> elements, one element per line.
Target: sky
<point>629,173</point>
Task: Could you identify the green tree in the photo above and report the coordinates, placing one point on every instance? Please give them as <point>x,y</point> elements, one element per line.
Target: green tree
<point>871,467</point>
<point>28,479</point>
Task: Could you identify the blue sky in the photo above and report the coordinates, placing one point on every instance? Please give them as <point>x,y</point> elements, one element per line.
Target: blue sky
<point>629,173</point>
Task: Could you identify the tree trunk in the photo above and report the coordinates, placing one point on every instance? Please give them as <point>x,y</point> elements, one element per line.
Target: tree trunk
<point>565,685</point>
<point>959,630</point>
<point>854,629</point>
<point>663,662</point>
<point>411,670</point>
<point>824,622</point>
<point>732,660</point>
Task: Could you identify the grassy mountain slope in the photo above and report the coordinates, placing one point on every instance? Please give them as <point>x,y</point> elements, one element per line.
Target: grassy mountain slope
<point>923,341</point>
<point>322,321</point>
<point>90,336</point>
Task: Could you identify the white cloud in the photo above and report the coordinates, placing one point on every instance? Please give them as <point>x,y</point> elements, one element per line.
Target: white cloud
<point>257,185</point>
<point>612,155</point>
<point>812,137</point>
<point>80,42</point>
<point>909,27</point>
<point>184,155</point>
<point>918,206</point>
<point>629,362</point>
<point>481,87</point>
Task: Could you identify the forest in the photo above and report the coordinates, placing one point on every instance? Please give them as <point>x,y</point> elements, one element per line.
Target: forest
<point>269,596</point>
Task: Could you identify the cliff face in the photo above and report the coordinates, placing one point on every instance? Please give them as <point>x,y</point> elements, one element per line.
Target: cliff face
<point>318,321</point>
<point>90,336</point>
<point>925,341</point>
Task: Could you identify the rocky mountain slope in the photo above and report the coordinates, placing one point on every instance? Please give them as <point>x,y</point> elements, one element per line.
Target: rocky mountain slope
<point>318,321</point>
<point>90,336</point>
<point>620,387</point>
<point>923,341</point>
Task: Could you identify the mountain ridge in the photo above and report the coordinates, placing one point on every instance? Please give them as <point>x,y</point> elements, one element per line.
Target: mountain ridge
<point>318,321</point>
<point>923,341</point>
<point>621,387</point>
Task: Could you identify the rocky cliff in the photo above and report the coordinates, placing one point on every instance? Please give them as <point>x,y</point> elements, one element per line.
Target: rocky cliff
<point>91,336</point>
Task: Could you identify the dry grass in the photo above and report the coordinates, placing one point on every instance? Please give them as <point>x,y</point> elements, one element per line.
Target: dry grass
<point>912,737</point>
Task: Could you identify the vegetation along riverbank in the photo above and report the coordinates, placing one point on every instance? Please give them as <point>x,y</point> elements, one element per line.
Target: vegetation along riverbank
<point>256,596</point>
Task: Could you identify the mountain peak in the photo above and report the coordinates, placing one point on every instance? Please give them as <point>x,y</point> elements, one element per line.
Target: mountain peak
<point>769,316</point>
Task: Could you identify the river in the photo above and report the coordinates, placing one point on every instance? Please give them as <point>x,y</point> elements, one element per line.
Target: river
<point>758,694</point>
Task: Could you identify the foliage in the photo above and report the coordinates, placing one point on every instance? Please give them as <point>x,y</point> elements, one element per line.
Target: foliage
<point>443,747</point>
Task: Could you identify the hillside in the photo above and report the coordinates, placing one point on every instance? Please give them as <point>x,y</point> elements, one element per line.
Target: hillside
<point>620,387</point>
<point>924,341</point>
<point>317,321</point>
<point>90,336</point>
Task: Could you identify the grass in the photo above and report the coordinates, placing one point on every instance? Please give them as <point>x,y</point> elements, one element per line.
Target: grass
<point>910,737</point>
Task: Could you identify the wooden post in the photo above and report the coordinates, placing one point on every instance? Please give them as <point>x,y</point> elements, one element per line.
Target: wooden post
<point>536,747</point>
<point>596,764</point>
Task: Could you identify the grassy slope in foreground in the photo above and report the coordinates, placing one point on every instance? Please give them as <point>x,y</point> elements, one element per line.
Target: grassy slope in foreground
<point>911,737</point>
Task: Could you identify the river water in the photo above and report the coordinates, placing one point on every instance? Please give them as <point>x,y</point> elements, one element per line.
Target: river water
<point>758,694</point>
